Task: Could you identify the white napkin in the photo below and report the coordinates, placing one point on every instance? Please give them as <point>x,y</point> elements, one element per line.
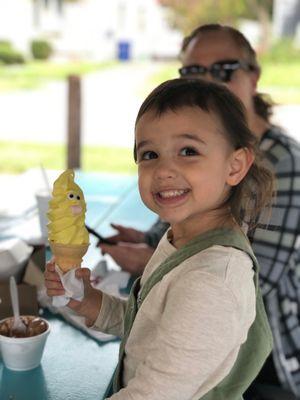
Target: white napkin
<point>73,286</point>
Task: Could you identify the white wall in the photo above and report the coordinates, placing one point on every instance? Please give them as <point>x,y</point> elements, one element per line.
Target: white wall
<point>16,22</point>
<point>91,28</point>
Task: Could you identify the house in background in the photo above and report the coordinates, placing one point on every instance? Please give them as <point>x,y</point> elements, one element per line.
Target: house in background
<point>286,19</point>
<point>92,29</point>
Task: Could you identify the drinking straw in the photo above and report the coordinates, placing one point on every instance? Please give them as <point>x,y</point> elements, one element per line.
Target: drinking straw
<point>45,178</point>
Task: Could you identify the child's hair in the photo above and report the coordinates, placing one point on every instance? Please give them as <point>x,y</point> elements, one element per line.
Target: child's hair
<point>254,192</point>
<point>262,102</point>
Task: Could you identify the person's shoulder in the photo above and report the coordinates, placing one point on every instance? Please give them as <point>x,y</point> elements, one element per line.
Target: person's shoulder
<point>278,134</point>
<point>279,147</point>
<point>234,268</point>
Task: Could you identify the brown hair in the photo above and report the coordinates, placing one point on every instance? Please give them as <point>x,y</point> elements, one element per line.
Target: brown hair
<point>254,192</point>
<point>262,102</point>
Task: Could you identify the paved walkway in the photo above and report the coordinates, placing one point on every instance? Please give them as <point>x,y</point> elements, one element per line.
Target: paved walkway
<point>110,101</point>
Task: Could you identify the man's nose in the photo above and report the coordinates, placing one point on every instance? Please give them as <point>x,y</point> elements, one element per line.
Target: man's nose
<point>207,76</point>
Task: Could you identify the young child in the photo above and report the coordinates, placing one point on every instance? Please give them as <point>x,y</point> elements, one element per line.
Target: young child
<point>194,326</point>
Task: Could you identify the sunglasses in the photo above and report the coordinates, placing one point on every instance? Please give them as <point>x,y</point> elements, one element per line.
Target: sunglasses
<point>221,70</point>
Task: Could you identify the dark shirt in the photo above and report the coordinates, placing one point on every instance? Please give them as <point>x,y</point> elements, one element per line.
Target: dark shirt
<point>155,233</point>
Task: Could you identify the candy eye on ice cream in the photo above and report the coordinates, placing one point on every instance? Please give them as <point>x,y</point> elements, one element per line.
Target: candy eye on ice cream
<point>68,236</point>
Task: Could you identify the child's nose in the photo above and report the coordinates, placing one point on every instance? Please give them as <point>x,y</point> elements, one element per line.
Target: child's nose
<point>165,169</point>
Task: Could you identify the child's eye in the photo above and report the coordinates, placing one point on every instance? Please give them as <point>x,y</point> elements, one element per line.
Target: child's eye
<point>147,155</point>
<point>188,151</point>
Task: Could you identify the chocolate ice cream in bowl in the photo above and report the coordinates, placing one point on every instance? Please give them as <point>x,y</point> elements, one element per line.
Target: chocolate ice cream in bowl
<point>23,350</point>
<point>22,338</point>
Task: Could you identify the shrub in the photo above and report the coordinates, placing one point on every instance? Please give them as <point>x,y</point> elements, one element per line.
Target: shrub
<point>8,55</point>
<point>5,44</point>
<point>41,49</point>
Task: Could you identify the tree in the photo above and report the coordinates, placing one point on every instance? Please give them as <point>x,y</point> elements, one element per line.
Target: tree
<point>188,14</point>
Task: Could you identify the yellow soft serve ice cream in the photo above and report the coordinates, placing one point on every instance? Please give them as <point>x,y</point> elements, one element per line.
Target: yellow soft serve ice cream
<point>68,236</point>
<point>67,212</point>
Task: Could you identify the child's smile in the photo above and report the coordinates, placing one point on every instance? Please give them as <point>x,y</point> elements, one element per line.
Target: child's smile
<point>171,196</point>
<point>184,164</point>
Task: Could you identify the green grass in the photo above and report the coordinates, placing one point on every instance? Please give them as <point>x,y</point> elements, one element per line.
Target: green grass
<point>17,157</point>
<point>281,81</point>
<point>35,73</point>
<point>168,71</point>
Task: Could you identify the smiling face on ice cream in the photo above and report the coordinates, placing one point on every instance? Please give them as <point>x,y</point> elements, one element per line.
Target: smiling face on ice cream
<point>67,212</point>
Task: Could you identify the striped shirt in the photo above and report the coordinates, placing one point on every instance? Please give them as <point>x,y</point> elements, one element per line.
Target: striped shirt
<point>276,245</point>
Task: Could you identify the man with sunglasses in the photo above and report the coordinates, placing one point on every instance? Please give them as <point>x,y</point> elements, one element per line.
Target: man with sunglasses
<point>226,57</point>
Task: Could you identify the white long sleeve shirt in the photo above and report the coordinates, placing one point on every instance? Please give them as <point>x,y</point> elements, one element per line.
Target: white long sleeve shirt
<point>189,329</point>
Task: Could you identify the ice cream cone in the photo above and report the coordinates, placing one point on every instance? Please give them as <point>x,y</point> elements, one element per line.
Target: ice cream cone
<point>68,256</point>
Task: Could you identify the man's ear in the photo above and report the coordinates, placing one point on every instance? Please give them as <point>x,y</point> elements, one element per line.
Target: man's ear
<point>254,75</point>
<point>241,161</point>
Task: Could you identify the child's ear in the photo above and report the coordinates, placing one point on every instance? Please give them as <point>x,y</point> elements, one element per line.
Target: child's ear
<point>241,161</point>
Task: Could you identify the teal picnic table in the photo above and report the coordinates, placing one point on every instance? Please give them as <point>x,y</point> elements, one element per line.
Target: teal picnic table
<point>75,365</point>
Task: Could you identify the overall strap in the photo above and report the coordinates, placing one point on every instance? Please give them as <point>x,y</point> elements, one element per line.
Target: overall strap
<point>221,237</point>
<point>131,311</point>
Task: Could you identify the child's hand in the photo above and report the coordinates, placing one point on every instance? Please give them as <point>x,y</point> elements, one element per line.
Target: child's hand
<point>52,280</point>
<point>90,305</point>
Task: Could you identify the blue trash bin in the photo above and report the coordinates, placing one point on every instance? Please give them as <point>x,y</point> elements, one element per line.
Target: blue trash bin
<point>124,50</point>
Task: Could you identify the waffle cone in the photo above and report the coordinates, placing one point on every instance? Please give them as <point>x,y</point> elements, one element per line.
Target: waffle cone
<point>68,256</point>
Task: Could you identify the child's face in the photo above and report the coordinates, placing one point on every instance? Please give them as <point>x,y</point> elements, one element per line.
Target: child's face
<point>184,164</point>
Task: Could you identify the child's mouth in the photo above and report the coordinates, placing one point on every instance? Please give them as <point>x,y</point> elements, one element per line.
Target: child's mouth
<point>171,196</point>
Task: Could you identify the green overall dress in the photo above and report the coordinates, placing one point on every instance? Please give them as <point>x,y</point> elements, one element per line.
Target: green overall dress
<point>253,352</point>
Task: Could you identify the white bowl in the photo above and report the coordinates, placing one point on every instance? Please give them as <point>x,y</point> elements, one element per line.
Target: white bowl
<point>23,354</point>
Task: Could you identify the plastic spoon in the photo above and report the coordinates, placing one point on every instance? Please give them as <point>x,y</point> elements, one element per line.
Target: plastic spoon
<point>18,324</point>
